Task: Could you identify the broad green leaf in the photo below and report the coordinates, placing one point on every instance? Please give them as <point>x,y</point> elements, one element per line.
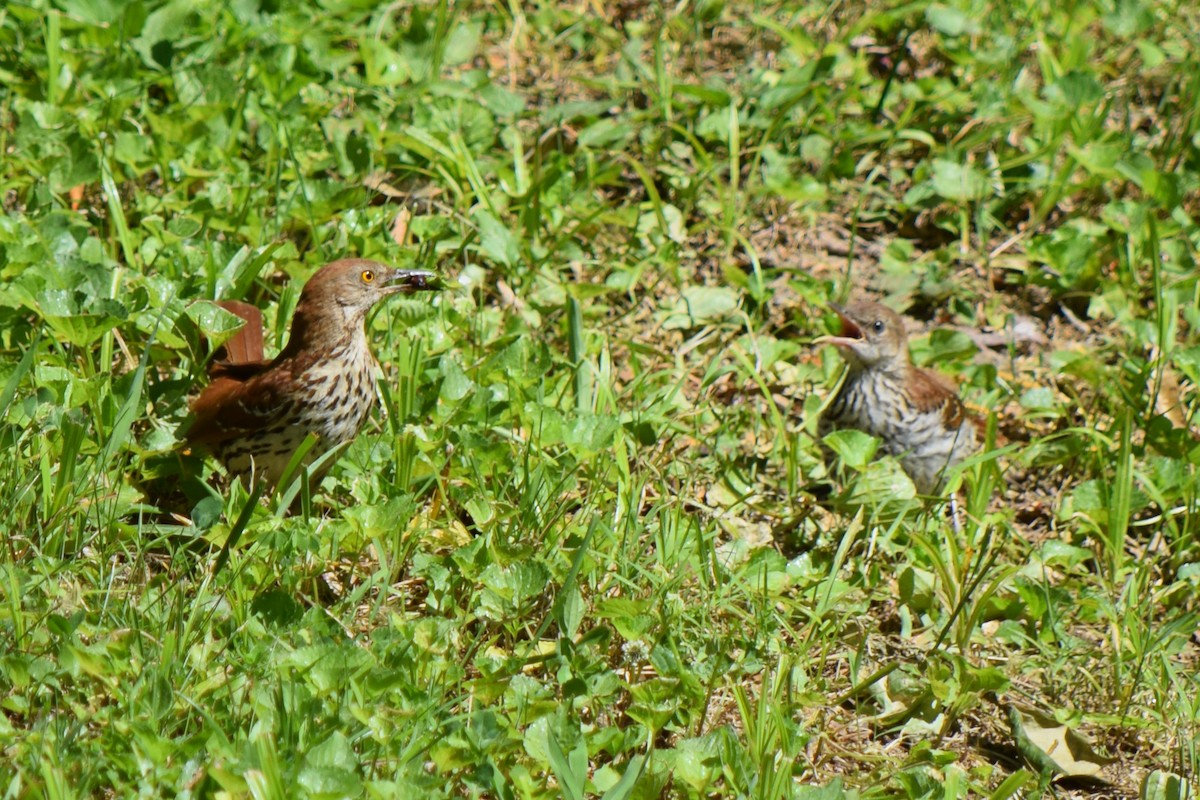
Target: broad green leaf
<point>1075,89</point>
<point>855,448</point>
<point>455,383</point>
<point>496,240</point>
<point>79,324</point>
<point>215,323</point>
<point>959,182</point>
<point>950,21</point>
<point>700,305</point>
<point>630,617</point>
<point>1160,785</point>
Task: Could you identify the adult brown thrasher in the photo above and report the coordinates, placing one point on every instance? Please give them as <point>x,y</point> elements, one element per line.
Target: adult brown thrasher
<point>255,412</point>
<point>915,413</point>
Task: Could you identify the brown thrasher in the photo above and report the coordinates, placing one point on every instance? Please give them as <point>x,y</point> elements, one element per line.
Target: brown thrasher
<point>915,413</point>
<point>255,413</point>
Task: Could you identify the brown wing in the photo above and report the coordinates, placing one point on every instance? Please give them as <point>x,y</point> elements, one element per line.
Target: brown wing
<point>931,392</point>
<point>242,399</point>
<point>246,345</point>
<point>238,371</point>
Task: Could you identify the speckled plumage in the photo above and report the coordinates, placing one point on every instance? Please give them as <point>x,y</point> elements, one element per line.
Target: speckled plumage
<point>916,414</point>
<point>254,414</point>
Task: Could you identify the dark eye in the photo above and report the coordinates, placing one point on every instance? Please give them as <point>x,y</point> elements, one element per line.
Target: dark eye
<point>878,326</point>
<point>367,276</point>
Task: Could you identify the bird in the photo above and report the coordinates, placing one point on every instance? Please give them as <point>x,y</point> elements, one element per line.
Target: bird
<point>915,413</point>
<point>254,413</point>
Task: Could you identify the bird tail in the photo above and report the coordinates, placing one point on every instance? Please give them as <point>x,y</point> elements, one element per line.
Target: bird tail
<point>247,344</point>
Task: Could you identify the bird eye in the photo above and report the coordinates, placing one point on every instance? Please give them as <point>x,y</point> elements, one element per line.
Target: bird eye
<point>367,276</point>
<point>878,326</point>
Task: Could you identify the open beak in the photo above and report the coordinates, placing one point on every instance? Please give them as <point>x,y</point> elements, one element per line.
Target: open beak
<point>408,281</point>
<point>850,334</point>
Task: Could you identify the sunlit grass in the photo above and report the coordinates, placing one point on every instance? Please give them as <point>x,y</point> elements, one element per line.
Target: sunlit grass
<point>591,545</point>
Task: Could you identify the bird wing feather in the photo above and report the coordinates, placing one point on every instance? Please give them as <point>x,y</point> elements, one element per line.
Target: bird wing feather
<point>930,392</point>
<point>237,402</point>
<point>246,345</point>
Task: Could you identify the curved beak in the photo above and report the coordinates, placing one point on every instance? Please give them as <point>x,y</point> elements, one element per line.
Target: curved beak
<point>850,333</point>
<point>413,280</point>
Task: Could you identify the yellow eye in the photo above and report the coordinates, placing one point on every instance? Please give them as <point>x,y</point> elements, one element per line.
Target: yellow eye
<point>367,276</point>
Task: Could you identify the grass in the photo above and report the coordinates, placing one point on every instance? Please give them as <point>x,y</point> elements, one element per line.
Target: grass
<point>580,551</point>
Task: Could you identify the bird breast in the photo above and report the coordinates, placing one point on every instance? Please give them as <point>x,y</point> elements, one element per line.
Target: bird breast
<point>338,392</point>
<point>928,437</point>
<point>867,402</point>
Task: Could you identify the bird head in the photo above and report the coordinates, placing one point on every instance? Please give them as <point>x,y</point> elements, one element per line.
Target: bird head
<point>871,335</point>
<point>355,284</point>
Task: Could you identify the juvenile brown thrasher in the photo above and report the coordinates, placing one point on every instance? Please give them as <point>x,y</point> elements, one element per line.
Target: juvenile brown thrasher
<point>915,413</point>
<point>255,413</point>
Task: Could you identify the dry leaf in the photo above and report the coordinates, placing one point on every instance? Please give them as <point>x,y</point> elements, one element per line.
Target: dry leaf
<point>1051,746</point>
<point>400,226</point>
<point>377,182</point>
<point>508,298</point>
<point>1168,402</point>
